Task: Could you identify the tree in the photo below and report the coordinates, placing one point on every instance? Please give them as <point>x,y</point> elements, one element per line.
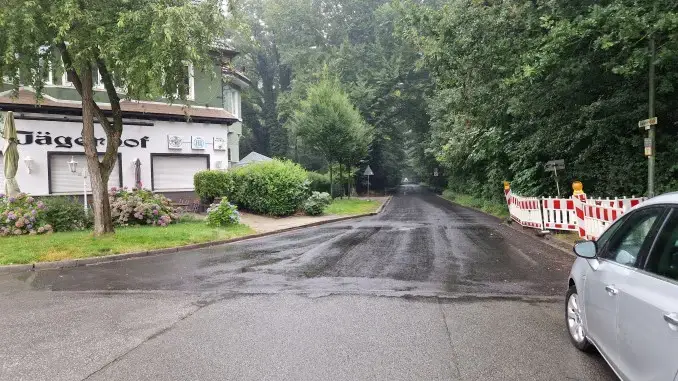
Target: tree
<point>329,124</point>
<point>141,46</point>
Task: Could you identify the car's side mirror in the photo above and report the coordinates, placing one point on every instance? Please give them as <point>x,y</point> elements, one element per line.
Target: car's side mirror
<point>586,249</point>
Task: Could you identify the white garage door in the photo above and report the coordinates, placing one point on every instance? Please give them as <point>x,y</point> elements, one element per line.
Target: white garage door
<point>62,181</point>
<point>175,173</point>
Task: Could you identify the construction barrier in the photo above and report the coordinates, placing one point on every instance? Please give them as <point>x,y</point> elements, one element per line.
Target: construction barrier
<point>588,217</point>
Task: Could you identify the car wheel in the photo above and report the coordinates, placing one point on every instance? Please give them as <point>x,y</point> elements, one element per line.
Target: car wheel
<point>574,322</point>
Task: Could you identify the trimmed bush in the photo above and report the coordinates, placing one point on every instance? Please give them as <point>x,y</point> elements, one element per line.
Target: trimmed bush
<point>21,215</point>
<point>273,187</point>
<point>210,185</point>
<point>66,214</point>
<point>140,207</point>
<point>319,182</point>
<point>316,204</point>
<point>223,214</point>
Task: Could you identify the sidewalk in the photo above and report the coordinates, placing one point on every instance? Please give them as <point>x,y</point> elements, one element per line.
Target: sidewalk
<point>265,224</point>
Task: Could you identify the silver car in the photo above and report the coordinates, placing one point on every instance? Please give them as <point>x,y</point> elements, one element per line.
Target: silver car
<point>622,295</point>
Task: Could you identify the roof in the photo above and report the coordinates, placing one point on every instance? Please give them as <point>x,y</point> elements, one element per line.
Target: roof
<point>253,157</point>
<point>25,101</point>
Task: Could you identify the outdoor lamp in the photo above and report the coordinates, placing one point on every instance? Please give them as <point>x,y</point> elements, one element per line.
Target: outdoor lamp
<point>73,165</point>
<point>29,163</point>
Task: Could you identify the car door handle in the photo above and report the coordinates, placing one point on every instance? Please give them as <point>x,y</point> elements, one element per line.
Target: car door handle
<point>671,319</point>
<point>611,290</point>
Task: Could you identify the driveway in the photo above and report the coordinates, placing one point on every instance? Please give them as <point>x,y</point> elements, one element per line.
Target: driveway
<point>425,291</point>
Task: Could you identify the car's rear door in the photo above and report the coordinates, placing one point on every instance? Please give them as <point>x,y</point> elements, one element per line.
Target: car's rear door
<point>648,311</point>
<point>618,260</point>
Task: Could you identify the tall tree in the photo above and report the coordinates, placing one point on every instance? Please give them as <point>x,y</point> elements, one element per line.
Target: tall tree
<point>329,124</point>
<point>141,46</point>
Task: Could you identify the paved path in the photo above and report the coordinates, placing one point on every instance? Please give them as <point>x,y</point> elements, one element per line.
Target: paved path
<point>425,291</point>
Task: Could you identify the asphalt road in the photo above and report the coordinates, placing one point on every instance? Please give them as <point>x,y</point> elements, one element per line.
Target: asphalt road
<point>425,291</point>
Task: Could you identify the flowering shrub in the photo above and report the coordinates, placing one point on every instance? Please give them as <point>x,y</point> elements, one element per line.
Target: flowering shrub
<point>223,214</point>
<point>316,204</point>
<point>21,215</point>
<point>140,207</point>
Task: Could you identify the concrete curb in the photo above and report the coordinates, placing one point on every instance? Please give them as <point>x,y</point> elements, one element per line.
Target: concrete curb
<point>69,263</point>
<point>547,240</point>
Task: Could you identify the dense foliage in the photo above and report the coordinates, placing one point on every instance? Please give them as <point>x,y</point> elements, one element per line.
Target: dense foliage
<point>315,205</point>
<point>521,83</point>
<point>210,185</point>
<point>319,182</point>
<point>66,214</point>
<point>140,207</point>
<point>291,44</point>
<point>275,187</point>
<point>223,214</point>
<point>21,215</point>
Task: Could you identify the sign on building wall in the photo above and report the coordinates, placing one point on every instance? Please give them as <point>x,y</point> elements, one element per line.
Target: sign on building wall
<point>219,144</point>
<point>198,143</point>
<point>174,141</point>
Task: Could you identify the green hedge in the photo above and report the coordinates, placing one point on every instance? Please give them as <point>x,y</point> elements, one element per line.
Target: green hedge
<point>320,182</point>
<point>274,187</point>
<point>213,184</point>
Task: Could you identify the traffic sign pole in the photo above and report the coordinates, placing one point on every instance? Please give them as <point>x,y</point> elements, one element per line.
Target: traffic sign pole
<point>653,128</point>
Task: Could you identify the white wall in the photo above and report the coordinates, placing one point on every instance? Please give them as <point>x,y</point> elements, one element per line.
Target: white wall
<point>154,137</point>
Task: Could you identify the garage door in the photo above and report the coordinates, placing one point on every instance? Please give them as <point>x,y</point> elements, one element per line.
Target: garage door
<point>175,172</point>
<point>62,181</point>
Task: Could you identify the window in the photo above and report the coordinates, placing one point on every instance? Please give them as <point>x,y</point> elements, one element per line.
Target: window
<point>664,258</point>
<point>629,239</point>
<point>232,101</point>
<point>188,82</point>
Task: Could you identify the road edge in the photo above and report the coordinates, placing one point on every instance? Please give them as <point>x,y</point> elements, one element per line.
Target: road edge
<point>546,239</point>
<point>69,263</point>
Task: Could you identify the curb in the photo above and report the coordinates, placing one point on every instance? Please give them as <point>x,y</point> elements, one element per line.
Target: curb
<point>552,242</point>
<point>69,263</point>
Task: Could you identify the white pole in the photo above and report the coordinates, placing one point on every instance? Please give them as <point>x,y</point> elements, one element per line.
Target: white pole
<point>368,186</point>
<point>555,173</point>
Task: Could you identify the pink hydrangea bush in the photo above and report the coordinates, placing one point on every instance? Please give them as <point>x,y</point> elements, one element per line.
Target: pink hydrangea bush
<point>140,207</point>
<point>21,215</point>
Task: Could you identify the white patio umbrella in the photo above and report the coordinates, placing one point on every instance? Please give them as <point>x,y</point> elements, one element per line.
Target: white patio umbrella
<point>11,156</point>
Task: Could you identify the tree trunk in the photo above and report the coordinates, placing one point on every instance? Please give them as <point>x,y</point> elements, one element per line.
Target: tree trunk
<point>341,180</point>
<point>331,182</point>
<point>103,222</point>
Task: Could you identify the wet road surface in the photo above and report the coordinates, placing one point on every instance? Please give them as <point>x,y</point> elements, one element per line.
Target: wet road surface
<point>425,291</point>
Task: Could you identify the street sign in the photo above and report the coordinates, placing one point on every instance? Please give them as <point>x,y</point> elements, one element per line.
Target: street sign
<point>648,147</point>
<point>435,172</point>
<point>554,165</point>
<point>647,123</point>
<point>368,171</point>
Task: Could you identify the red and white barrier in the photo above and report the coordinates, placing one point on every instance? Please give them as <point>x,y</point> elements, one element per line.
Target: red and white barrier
<point>588,217</point>
<point>524,210</point>
<point>559,214</point>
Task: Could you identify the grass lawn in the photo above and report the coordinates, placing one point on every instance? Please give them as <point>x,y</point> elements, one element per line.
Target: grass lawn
<point>494,208</point>
<point>347,207</point>
<point>59,246</point>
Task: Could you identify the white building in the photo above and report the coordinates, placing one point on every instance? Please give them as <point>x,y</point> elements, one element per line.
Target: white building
<point>171,142</point>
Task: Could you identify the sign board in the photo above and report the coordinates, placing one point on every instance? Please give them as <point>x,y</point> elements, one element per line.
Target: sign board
<point>648,147</point>
<point>435,172</point>
<point>553,165</point>
<point>647,123</point>
<point>368,171</point>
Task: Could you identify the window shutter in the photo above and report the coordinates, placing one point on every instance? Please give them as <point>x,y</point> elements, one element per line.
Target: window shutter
<point>175,173</point>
